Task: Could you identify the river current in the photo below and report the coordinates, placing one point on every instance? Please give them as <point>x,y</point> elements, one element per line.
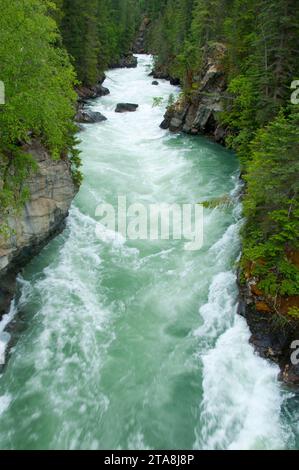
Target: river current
<point>123,344</point>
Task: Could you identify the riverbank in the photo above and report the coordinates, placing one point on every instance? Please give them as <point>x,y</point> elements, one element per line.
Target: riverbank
<point>272,330</point>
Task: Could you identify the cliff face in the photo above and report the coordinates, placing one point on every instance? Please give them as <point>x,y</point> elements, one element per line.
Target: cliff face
<point>198,112</point>
<point>51,192</point>
<point>273,336</point>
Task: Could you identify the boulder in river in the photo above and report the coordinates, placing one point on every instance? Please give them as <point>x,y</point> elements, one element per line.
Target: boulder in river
<point>126,107</point>
<point>89,117</point>
<point>155,82</point>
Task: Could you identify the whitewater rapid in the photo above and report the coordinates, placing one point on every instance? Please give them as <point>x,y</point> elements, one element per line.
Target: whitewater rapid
<point>121,344</point>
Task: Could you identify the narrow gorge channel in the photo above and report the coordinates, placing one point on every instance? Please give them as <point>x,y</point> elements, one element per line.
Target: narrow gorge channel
<point>136,344</point>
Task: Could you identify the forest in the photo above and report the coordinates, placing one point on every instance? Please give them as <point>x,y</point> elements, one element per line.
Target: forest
<point>48,48</point>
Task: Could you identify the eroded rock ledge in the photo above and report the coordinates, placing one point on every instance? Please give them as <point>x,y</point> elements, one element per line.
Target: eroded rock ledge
<point>128,61</point>
<point>86,93</point>
<point>272,337</point>
<point>198,113</point>
<point>52,190</point>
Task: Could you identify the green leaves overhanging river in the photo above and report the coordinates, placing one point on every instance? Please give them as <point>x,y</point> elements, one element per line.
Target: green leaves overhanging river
<point>136,344</point>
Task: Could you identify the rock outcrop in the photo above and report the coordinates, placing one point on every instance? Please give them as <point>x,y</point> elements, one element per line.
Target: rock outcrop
<point>128,61</point>
<point>52,190</point>
<point>86,93</point>
<point>198,113</point>
<point>126,107</point>
<point>86,116</point>
<point>273,336</point>
<point>162,74</point>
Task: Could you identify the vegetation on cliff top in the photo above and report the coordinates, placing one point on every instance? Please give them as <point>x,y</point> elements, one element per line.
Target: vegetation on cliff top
<point>96,33</point>
<point>39,87</point>
<point>45,48</point>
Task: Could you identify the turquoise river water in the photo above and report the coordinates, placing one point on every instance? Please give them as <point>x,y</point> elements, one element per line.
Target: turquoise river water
<point>122,344</point>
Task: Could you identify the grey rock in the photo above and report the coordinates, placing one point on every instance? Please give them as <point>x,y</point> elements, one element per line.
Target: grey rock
<point>270,341</point>
<point>202,118</point>
<point>128,61</point>
<point>126,107</point>
<point>186,129</point>
<point>96,91</point>
<point>175,124</point>
<point>89,117</point>
<point>175,81</point>
<point>198,113</point>
<point>220,134</point>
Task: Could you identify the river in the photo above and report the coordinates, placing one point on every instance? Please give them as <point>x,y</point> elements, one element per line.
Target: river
<point>122,344</point>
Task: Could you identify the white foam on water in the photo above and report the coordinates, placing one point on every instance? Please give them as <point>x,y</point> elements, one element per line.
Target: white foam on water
<point>4,336</point>
<point>242,400</point>
<point>72,336</point>
<point>137,442</point>
<point>218,313</point>
<point>5,402</point>
<point>110,236</point>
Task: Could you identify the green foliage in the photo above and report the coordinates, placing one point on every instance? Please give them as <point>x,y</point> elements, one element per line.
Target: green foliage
<point>40,97</point>
<point>271,205</point>
<point>40,79</point>
<point>171,100</point>
<point>15,167</point>
<point>76,164</point>
<point>97,32</point>
<point>37,75</point>
<point>158,101</point>
<point>240,116</point>
<point>294,313</point>
<point>223,201</point>
<point>168,37</point>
